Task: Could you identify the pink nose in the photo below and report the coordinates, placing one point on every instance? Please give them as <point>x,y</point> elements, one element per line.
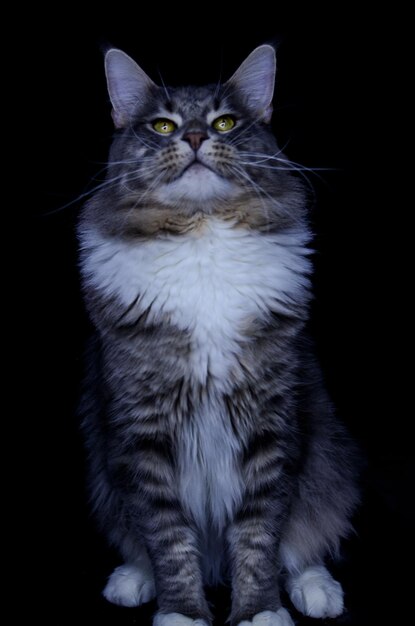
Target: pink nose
<point>195,139</point>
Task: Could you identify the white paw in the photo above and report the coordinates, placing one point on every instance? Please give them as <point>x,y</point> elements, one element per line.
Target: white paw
<point>269,618</point>
<point>315,593</point>
<point>176,619</point>
<point>130,585</point>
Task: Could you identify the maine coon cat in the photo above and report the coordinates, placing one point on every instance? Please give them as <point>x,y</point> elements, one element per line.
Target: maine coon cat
<point>214,451</point>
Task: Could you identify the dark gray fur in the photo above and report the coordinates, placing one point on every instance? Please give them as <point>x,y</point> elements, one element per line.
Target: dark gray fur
<point>297,461</point>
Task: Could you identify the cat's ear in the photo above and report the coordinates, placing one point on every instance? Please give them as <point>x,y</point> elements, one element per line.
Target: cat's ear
<point>255,79</point>
<point>127,84</point>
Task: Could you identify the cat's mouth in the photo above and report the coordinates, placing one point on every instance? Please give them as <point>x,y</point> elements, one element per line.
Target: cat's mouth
<point>196,166</point>
<point>197,181</point>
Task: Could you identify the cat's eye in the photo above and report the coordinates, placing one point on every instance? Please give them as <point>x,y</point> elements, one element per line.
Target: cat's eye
<point>224,123</point>
<point>164,126</point>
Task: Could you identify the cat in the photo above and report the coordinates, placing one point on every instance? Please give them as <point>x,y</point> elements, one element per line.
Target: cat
<point>214,451</point>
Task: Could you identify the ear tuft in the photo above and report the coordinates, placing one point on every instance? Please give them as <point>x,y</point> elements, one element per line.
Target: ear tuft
<point>127,84</point>
<point>255,80</point>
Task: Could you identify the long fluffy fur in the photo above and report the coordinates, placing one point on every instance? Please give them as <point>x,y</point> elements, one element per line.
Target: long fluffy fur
<point>214,451</point>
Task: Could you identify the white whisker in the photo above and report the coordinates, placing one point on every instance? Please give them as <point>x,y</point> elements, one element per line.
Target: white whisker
<point>239,136</point>
<point>263,156</point>
<point>105,184</point>
<point>164,86</point>
<point>145,143</point>
<point>261,192</point>
<point>143,195</point>
<point>257,159</point>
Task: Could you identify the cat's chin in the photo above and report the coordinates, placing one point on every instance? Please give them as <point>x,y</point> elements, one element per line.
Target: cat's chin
<point>198,184</point>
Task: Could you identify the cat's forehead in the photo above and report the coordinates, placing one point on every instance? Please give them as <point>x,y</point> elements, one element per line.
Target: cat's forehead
<point>191,102</point>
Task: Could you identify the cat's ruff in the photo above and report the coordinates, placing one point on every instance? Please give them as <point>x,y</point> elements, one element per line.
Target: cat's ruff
<point>208,283</point>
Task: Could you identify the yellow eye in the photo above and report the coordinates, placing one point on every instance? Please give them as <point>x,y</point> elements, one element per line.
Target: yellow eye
<point>163,126</point>
<point>224,123</point>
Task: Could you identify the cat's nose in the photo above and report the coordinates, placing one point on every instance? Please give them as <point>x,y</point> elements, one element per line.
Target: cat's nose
<point>195,139</point>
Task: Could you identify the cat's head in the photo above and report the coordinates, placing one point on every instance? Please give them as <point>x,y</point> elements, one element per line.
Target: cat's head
<point>193,146</point>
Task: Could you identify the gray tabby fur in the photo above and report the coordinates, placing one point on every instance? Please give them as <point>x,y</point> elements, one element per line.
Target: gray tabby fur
<point>214,452</point>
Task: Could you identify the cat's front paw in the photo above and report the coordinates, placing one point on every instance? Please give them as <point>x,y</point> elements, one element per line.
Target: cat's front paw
<point>177,619</point>
<point>270,618</point>
<point>315,593</point>
<point>130,585</point>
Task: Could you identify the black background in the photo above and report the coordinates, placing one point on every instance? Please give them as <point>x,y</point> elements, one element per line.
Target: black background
<point>332,101</point>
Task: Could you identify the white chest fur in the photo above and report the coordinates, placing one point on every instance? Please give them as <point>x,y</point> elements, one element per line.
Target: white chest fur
<point>207,283</point>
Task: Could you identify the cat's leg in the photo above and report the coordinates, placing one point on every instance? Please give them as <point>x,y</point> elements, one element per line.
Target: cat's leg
<point>133,583</point>
<point>155,516</point>
<point>254,536</point>
<point>255,593</point>
<point>174,551</point>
